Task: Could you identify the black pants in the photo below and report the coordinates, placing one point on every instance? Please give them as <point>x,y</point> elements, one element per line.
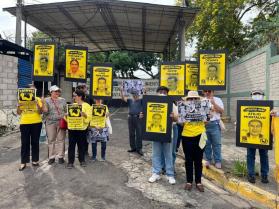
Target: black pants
<point>193,155</point>
<point>135,132</point>
<point>30,134</point>
<point>179,132</point>
<point>76,137</point>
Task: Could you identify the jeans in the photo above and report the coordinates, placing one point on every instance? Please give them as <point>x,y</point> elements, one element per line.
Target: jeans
<point>76,137</point>
<point>193,155</point>
<point>103,150</point>
<point>135,132</point>
<point>213,142</point>
<point>160,149</point>
<point>30,135</point>
<point>251,153</point>
<point>174,142</point>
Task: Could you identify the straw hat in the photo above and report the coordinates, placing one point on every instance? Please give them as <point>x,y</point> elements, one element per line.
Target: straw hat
<point>192,94</point>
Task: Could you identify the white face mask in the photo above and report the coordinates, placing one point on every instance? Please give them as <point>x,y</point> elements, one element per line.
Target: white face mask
<point>257,97</point>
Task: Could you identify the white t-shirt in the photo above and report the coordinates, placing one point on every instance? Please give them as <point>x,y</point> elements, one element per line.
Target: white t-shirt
<point>216,115</point>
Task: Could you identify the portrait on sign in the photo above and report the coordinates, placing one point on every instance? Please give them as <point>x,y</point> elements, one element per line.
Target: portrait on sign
<point>173,77</point>
<point>192,76</point>
<point>254,125</point>
<point>76,63</point>
<point>212,70</point>
<point>101,81</point>
<point>44,55</point>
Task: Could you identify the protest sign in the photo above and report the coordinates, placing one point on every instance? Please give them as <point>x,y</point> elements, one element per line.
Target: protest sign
<point>74,118</point>
<point>157,121</point>
<point>76,63</point>
<point>27,99</point>
<point>254,124</point>
<point>98,116</point>
<point>44,60</point>
<point>172,75</point>
<point>101,81</point>
<point>132,86</point>
<point>212,70</point>
<point>195,110</point>
<point>192,76</point>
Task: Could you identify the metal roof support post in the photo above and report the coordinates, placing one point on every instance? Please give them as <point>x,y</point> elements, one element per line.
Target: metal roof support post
<point>18,22</point>
<point>25,32</point>
<point>182,40</point>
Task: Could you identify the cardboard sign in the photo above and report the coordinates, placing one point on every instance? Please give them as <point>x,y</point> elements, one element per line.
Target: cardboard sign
<point>254,124</point>
<point>172,75</point>
<point>132,86</point>
<point>44,57</point>
<point>74,118</point>
<point>192,76</point>
<point>212,70</point>
<point>98,116</point>
<point>195,110</point>
<point>76,63</point>
<point>157,121</point>
<point>101,81</point>
<point>27,99</point>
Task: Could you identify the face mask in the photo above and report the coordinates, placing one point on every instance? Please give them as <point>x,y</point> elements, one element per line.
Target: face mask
<point>257,97</point>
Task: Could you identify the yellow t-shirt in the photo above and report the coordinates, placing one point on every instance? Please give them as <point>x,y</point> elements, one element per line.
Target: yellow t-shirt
<point>27,117</point>
<point>192,129</point>
<point>87,109</point>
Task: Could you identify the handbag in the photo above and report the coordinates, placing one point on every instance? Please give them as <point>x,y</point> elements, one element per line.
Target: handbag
<point>62,122</point>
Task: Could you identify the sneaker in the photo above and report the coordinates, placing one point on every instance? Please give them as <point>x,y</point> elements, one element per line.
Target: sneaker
<point>154,177</point>
<point>171,180</point>
<point>218,165</point>
<point>200,187</point>
<point>94,159</point>
<point>102,160</point>
<point>61,160</point>
<point>83,164</point>
<point>264,180</point>
<point>207,164</point>
<point>70,165</point>
<point>251,179</point>
<point>51,161</point>
<point>188,186</point>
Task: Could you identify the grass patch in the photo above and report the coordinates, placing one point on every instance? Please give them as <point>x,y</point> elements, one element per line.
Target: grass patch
<point>239,168</point>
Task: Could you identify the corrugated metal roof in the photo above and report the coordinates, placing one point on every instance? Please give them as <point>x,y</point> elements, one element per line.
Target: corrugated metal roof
<point>109,24</point>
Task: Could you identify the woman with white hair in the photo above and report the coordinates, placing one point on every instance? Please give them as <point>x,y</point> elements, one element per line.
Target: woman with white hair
<point>54,108</point>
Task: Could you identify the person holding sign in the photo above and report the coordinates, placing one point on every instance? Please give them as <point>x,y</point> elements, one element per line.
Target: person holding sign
<point>255,129</point>
<point>162,151</point>
<point>193,135</point>
<point>77,135</point>
<point>99,129</point>
<point>135,123</point>
<point>213,130</point>
<point>30,129</point>
<point>54,108</point>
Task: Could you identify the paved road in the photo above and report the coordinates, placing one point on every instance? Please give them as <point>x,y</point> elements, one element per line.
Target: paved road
<point>121,182</point>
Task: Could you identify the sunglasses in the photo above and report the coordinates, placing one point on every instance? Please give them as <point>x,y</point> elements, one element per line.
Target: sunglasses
<point>207,91</point>
<point>190,99</point>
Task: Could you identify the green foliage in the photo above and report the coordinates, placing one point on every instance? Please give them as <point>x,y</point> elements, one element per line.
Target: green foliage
<point>239,168</point>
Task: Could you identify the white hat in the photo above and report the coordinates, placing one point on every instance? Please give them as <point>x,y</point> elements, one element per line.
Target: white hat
<point>192,94</point>
<point>54,88</point>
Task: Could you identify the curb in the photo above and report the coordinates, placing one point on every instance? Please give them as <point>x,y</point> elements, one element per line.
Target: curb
<point>240,188</point>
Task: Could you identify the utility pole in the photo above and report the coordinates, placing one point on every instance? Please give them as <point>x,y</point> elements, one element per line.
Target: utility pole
<point>18,22</point>
<point>182,34</point>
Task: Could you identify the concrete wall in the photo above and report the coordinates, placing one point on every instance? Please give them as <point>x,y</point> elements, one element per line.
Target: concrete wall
<point>257,70</point>
<point>8,91</point>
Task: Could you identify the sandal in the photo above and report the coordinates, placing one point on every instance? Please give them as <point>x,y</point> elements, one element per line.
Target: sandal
<point>22,167</point>
<point>188,186</point>
<point>35,164</point>
<point>200,187</point>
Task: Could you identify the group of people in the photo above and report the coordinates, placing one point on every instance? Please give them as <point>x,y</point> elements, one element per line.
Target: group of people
<point>189,134</point>
<point>53,112</point>
<point>200,139</point>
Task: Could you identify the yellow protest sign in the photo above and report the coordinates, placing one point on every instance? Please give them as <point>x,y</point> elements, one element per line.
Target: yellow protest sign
<point>44,55</point>
<point>27,99</point>
<point>98,116</point>
<point>74,118</point>
<point>275,131</point>
<point>212,70</point>
<point>156,120</point>
<point>173,77</point>
<point>76,63</point>
<point>254,128</point>
<point>101,81</point>
<point>192,76</point>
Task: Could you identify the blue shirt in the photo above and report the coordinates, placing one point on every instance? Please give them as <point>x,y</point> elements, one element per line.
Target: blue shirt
<point>135,106</point>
